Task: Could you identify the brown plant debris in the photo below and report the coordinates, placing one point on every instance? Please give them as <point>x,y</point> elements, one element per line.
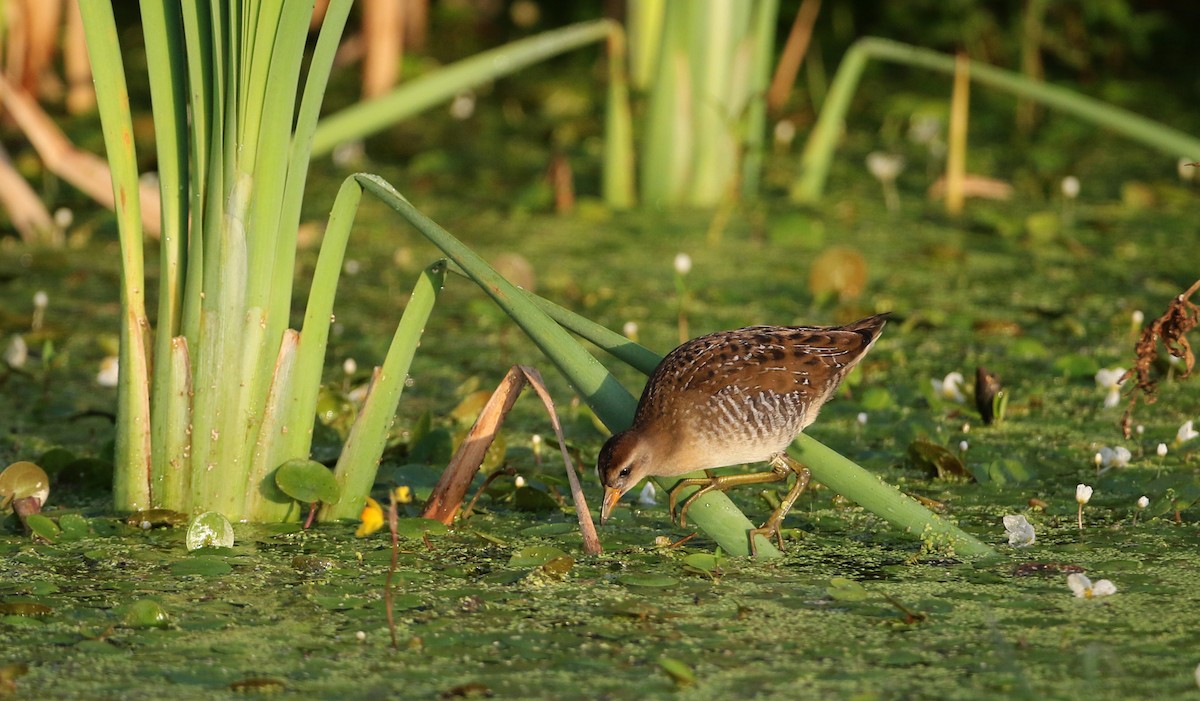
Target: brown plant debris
<point>1171,329</point>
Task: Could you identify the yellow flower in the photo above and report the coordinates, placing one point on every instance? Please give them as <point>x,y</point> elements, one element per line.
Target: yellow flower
<point>402,494</point>
<point>371,517</point>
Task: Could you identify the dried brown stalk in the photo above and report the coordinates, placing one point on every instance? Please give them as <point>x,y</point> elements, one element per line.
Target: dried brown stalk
<point>447,496</point>
<point>1171,329</point>
<point>86,171</point>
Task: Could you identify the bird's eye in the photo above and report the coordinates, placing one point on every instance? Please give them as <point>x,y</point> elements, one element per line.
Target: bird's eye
<point>625,471</point>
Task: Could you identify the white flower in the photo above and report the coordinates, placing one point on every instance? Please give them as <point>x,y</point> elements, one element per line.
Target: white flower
<point>1085,589</point>
<point>647,497</point>
<point>963,445</point>
<point>1115,457</point>
<point>1070,187</point>
<point>884,166</point>
<point>463,106</point>
<point>630,329</point>
<point>349,366</point>
<point>862,418</point>
<point>785,132</point>
<point>17,352</point>
<point>1137,318</point>
<point>63,217</point>
<point>683,263</point>
<point>1083,494</point>
<point>519,481</point>
<point>1143,502</point>
<point>1109,379</point>
<point>1161,450</point>
<point>1020,531</point>
<point>950,387</point>
<point>109,372</point>
<point>1185,433</point>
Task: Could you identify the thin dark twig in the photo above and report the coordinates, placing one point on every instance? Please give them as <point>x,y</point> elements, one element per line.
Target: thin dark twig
<point>387,585</point>
<point>508,471</point>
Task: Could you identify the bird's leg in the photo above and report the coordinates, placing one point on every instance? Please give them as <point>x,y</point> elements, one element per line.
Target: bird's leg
<point>782,463</point>
<point>779,471</point>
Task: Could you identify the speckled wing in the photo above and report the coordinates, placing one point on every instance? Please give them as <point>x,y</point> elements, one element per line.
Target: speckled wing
<point>782,360</point>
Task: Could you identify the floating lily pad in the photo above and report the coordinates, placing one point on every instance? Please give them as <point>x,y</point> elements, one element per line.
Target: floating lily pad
<point>307,481</point>
<point>202,566</point>
<point>74,526</point>
<point>145,613</point>
<point>43,527</point>
<point>545,529</point>
<point>415,528</point>
<point>648,580</point>
<point>535,556</point>
<point>842,589</point>
<point>706,563</point>
<point>209,530</point>
<point>23,479</point>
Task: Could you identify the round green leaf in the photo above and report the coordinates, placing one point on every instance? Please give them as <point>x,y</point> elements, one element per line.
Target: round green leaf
<point>415,528</point>
<point>145,613</point>
<point>43,527</point>
<point>201,566</point>
<point>307,481</point>
<point>647,580</point>
<point>23,479</point>
<point>535,556</point>
<point>209,530</point>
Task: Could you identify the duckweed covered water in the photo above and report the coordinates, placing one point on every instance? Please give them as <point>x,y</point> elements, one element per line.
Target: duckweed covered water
<point>506,603</point>
<point>850,611</point>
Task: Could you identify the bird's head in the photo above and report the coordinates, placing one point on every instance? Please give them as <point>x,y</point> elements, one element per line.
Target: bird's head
<point>622,463</point>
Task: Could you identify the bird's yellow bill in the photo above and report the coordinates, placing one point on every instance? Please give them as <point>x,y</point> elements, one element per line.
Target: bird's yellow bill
<point>611,497</point>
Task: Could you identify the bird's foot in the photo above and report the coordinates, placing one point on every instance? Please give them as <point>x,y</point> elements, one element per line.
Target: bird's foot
<point>779,471</point>
<point>773,524</point>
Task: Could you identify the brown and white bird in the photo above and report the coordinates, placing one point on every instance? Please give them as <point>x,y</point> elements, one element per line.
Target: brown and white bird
<point>730,398</point>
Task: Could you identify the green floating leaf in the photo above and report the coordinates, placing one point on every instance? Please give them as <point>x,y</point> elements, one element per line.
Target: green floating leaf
<point>702,562</point>
<point>416,528</point>
<point>535,556</point>
<point>307,481</point>
<point>936,460</point>
<point>201,566</point>
<point>647,580</point>
<point>550,529</point>
<point>145,613</point>
<point>209,530</point>
<point>842,589</point>
<point>679,672</point>
<point>74,527</point>
<point>43,527</point>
